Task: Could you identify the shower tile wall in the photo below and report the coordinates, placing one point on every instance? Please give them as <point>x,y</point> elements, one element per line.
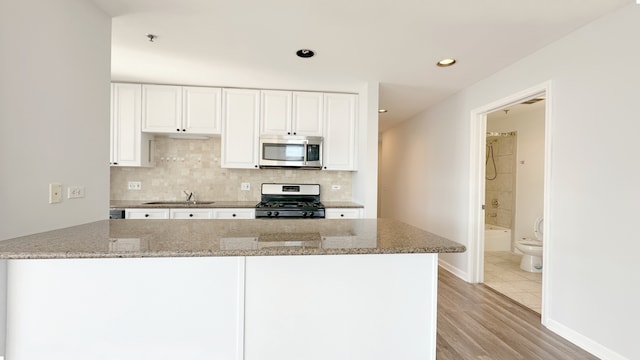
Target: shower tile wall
<point>502,188</point>
<point>194,165</point>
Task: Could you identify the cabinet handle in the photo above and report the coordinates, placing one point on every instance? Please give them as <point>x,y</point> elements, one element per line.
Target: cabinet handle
<point>341,215</point>
<point>184,130</point>
<point>146,215</point>
<point>190,215</point>
<point>288,133</point>
<point>295,133</point>
<point>325,168</point>
<point>177,129</point>
<point>255,166</point>
<point>149,152</point>
<point>115,163</point>
<point>234,215</point>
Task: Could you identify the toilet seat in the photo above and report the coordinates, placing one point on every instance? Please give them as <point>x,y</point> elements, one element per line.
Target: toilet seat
<point>538,226</point>
<point>530,242</point>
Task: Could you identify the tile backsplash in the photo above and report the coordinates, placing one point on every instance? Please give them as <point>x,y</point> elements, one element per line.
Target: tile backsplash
<point>194,165</point>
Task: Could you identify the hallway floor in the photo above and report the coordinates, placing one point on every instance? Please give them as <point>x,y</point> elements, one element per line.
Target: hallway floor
<point>502,273</point>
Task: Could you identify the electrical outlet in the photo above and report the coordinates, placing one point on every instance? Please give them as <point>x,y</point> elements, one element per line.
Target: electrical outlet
<point>135,185</point>
<point>335,187</point>
<point>55,193</point>
<point>74,192</point>
<point>245,186</point>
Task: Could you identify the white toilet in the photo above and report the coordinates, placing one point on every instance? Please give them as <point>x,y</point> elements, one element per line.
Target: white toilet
<point>532,249</point>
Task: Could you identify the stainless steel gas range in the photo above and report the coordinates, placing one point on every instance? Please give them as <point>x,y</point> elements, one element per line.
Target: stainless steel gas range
<point>290,201</point>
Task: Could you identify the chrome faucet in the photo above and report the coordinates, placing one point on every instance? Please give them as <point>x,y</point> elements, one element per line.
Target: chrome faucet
<point>189,196</point>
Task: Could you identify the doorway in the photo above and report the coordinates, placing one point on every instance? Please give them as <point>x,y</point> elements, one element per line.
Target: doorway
<point>514,179</point>
<point>497,206</point>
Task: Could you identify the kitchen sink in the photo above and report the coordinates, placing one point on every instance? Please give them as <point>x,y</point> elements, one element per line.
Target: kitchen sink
<point>179,203</point>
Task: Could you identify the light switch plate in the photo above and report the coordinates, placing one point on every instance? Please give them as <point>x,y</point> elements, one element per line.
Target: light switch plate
<point>55,193</point>
<point>245,186</point>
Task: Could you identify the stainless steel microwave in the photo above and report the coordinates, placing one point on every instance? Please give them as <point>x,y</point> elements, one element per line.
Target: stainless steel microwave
<point>291,151</point>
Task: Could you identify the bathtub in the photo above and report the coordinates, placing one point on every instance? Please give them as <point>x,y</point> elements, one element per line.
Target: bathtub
<point>496,238</point>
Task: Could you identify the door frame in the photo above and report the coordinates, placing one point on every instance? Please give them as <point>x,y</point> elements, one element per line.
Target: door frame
<point>478,142</point>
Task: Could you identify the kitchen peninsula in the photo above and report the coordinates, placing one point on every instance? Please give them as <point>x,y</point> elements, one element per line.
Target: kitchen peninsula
<point>224,289</point>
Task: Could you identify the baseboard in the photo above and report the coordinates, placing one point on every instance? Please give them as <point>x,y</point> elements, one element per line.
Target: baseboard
<point>454,270</point>
<point>584,342</point>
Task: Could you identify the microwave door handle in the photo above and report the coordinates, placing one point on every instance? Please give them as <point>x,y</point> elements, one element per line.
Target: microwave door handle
<point>306,151</point>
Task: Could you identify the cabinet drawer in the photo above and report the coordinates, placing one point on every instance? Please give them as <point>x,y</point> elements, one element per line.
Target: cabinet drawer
<point>191,213</point>
<point>146,213</point>
<point>340,213</point>
<point>235,214</point>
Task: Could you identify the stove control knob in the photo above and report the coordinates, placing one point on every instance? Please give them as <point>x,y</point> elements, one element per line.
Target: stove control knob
<point>268,213</point>
<point>310,213</point>
<point>276,213</point>
<point>304,214</point>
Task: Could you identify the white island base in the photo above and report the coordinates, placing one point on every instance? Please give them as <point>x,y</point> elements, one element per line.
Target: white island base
<point>318,307</point>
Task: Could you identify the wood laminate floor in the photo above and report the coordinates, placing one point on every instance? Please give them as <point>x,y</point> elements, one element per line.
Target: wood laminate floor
<point>475,322</point>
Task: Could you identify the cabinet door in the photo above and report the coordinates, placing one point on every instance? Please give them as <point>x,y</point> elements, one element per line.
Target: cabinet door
<point>342,213</point>
<point>374,307</point>
<point>202,110</point>
<point>162,109</point>
<point>129,146</point>
<point>191,213</point>
<point>127,309</point>
<point>146,213</point>
<point>340,142</point>
<point>307,113</point>
<point>234,214</point>
<point>240,115</point>
<point>275,112</point>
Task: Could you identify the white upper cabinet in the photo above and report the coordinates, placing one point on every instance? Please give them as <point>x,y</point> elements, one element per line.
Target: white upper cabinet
<point>307,113</point>
<point>240,121</point>
<point>340,126</point>
<point>275,112</point>
<point>129,146</point>
<point>162,108</point>
<point>181,109</point>
<point>290,113</point>
<point>202,110</point>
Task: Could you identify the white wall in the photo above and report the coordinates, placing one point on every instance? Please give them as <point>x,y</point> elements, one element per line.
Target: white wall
<point>365,180</point>
<point>593,292</point>
<point>529,189</point>
<point>54,106</point>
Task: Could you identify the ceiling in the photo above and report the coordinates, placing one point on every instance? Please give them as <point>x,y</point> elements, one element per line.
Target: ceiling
<point>252,43</point>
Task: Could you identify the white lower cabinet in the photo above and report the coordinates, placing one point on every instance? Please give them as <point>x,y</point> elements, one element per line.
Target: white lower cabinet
<point>343,213</point>
<point>374,307</point>
<point>222,213</point>
<point>342,307</point>
<point>126,309</point>
<point>191,213</point>
<point>146,213</point>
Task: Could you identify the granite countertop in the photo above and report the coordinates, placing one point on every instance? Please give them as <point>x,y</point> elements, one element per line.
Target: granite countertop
<point>341,204</point>
<point>146,204</point>
<point>258,237</point>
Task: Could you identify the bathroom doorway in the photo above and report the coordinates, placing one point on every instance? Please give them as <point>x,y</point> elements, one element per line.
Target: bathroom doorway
<point>510,138</point>
<point>514,179</point>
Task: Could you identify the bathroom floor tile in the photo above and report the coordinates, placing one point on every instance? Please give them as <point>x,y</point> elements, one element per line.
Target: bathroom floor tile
<point>503,274</point>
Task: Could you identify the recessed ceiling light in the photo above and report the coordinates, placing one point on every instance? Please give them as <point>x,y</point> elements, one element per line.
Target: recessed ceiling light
<point>446,62</point>
<point>382,111</point>
<point>305,53</point>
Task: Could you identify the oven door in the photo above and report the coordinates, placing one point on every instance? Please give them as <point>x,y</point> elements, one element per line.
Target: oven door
<point>291,151</point>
